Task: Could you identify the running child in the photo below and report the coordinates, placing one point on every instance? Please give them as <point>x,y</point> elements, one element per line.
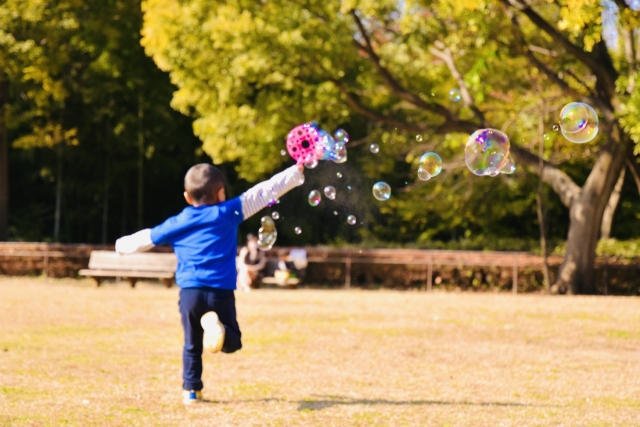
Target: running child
<point>204,238</point>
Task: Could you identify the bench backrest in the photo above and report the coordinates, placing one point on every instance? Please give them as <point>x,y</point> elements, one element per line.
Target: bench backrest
<point>108,260</point>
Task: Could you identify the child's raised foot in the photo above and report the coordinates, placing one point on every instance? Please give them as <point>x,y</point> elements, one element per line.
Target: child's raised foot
<point>213,332</point>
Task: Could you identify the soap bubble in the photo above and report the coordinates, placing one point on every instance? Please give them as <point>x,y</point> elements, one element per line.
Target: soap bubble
<point>341,135</point>
<point>381,191</point>
<point>486,151</point>
<point>509,167</point>
<point>339,153</point>
<point>314,198</point>
<point>330,192</point>
<point>546,137</point>
<point>374,148</point>
<point>335,212</point>
<point>283,152</point>
<point>298,230</point>
<point>351,220</point>
<point>339,175</point>
<point>267,234</point>
<point>454,95</point>
<point>348,187</point>
<point>431,163</point>
<point>275,215</point>
<point>423,174</point>
<point>312,164</point>
<point>419,138</point>
<point>587,128</point>
<point>574,117</point>
<point>555,128</point>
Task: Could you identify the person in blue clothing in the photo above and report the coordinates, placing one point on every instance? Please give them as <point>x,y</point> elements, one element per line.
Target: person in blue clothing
<point>204,238</point>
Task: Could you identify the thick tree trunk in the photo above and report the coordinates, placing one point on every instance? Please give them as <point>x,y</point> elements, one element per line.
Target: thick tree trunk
<point>610,210</point>
<point>4,162</point>
<point>576,273</point>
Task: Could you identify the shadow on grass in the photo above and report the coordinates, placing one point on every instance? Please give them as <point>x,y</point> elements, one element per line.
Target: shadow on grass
<point>324,402</point>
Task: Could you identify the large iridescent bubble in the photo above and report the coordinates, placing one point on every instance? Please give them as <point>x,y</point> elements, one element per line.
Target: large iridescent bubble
<point>487,151</point>
<point>579,122</point>
<point>430,164</point>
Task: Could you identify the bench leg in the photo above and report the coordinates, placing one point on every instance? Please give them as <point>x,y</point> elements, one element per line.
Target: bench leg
<point>132,281</point>
<point>167,282</point>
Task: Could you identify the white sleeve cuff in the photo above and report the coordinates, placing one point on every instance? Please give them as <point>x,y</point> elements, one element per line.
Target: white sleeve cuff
<point>136,242</point>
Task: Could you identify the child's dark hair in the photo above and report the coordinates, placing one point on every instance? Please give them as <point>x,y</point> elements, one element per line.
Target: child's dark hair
<point>203,182</point>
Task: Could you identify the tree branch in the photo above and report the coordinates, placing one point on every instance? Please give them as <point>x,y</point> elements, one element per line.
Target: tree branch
<point>390,81</point>
<point>358,107</point>
<point>607,80</point>
<point>444,53</point>
<point>634,168</point>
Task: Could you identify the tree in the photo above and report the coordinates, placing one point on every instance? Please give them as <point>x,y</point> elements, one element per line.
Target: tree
<point>252,70</point>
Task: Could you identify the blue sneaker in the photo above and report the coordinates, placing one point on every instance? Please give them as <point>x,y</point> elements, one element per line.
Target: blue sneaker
<point>191,396</point>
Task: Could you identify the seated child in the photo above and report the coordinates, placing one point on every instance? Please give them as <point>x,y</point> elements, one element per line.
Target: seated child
<point>204,238</point>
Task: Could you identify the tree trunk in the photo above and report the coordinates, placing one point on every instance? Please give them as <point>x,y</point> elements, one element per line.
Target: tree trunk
<point>576,273</point>
<point>610,210</point>
<point>140,160</point>
<point>58,211</point>
<point>4,162</point>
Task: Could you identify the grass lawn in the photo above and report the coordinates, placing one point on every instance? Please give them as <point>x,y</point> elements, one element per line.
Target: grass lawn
<point>71,354</point>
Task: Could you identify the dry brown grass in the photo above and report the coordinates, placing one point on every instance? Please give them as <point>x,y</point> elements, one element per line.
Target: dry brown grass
<point>71,354</point>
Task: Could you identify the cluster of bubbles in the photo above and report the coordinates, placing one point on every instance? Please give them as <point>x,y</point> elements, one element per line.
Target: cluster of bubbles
<point>267,234</point>
<point>578,122</point>
<point>308,144</point>
<point>487,152</point>
<point>430,165</point>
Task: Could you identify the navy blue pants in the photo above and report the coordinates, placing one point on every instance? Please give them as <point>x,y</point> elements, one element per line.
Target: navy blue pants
<point>195,302</point>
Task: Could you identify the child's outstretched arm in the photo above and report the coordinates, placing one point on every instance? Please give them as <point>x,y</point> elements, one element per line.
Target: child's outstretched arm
<point>136,242</point>
<point>259,196</point>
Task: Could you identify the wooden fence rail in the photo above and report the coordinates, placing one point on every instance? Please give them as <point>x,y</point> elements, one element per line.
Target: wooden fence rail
<point>425,257</point>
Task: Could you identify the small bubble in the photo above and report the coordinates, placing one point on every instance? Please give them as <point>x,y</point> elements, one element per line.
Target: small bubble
<point>339,175</point>
<point>330,192</point>
<point>348,187</point>
<point>275,215</point>
<point>283,153</point>
<point>423,174</point>
<point>374,148</point>
<point>298,230</point>
<point>351,220</point>
<point>454,95</point>
<point>419,138</point>
<point>335,212</point>
<point>546,137</point>
<point>237,213</point>
<point>381,191</point>
<point>312,164</point>
<point>314,198</point>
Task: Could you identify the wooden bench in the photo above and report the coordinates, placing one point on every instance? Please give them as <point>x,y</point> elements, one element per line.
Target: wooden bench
<point>131,267</point>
